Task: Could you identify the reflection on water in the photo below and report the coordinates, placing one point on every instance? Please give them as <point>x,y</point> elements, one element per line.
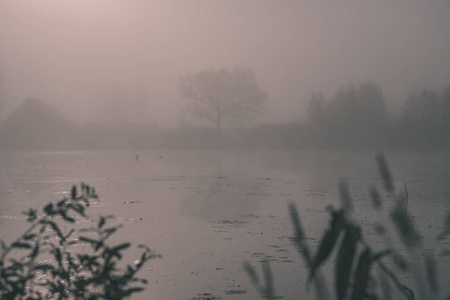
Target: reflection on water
<point>206,212</point>
<point>212,198</point>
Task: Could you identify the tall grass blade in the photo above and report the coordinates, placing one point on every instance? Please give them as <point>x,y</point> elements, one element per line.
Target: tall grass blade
<point>430,264</point>
<point>385,287</point>
<point>252,274</point>
<point>375,196</point>
<point>345,259</point>
<point>403,289</point>
<point>299,239</point>
<point>328,241</point>
<point>405,227</point>
<point>298,229</point>
<point>384,172</point>
<point>446,230</point>
<point>362,276</point>
<point>269,290</point>
<point>345,197</point>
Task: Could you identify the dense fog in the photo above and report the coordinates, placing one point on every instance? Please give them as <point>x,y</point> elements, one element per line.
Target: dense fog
<point>112,72</point>
<point>228,136</point>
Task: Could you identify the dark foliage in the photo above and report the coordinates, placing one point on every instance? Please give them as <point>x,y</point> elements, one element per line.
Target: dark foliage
<point>356,118</point>
<point>360,271</point>
<point>47,262</point>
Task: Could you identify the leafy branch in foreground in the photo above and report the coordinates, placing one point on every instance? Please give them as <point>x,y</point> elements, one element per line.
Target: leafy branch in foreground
<point>360,271</point>
<point>47,262</point>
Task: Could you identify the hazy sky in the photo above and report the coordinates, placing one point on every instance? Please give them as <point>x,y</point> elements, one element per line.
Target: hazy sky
<point>122,58</point>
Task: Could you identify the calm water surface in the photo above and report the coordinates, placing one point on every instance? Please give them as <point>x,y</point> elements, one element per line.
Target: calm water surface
<point>206,212</point>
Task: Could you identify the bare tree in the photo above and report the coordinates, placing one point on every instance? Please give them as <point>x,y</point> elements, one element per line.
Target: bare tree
<point>223,96</point>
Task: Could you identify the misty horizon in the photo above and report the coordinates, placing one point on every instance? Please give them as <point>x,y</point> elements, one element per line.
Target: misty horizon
<point>225,138</point>
<point>94,58</point>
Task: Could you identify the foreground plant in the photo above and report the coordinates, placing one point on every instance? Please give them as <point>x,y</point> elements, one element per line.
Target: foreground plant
<point>360,271</point>
<point>47,262</point>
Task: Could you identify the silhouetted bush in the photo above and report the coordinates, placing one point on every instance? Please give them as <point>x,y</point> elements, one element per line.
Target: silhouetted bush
<point>47,262</point>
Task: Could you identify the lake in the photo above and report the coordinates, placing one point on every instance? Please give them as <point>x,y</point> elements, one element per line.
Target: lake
<point>206,211</point>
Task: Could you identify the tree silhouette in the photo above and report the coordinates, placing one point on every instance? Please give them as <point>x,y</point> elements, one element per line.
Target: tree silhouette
<point>354,117</point>
<point>420,120</point>
<point>445,108</point>
<point>223,96</point>
<point>317,118</point>
<point>422,107</point>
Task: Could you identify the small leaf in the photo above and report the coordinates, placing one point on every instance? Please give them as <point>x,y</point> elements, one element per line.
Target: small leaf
<point>21,245</point>
<point>61,202</point>
<point>121,247</point>
<point>141,261</point>
<point>44,267</point>
<point>100,244</point>
<point>55,228</point>
<point>64,215</point>
<point>58,256</point>
<point>101,222</point>
<point>93,194</point>
<point>48,209</point>
<point>69,234</point>
<point>31,214</point>
<point>130,291</point>
<point>88,240</point>
<point>77,208</point>
<point>73,192</point>
<point>35,251</point>
<point>109,231</point>
<point>147,249</point>
<point>29,236</point>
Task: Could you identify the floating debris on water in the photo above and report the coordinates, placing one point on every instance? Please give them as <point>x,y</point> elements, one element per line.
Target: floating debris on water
<point>236,292</point>
<point>205,296</point>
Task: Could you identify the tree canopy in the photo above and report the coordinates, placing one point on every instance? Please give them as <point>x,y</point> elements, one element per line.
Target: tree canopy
<point>223,97</point>
<point>354,117</point>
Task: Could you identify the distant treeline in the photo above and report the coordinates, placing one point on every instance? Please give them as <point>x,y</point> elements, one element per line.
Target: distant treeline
<point>38,126</point>
<point>356,118</point>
